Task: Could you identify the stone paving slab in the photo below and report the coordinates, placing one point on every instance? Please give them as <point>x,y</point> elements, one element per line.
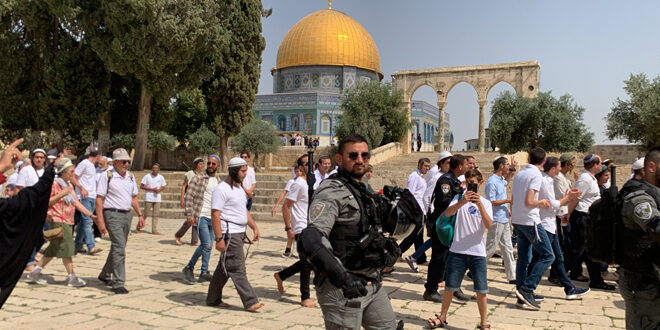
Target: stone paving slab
<point>160,299</point>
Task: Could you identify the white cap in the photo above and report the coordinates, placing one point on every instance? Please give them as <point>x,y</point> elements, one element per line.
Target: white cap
<point>638,164</point>
<point>39,150</point>
<point>109,159</point>
<point>444,155</point>
<point>19,163</point>
<point>51,157</point>
<point>237,162</point>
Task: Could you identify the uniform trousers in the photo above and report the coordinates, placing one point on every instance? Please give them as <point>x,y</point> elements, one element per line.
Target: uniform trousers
<point>641,293</point>
<point>436,270</point>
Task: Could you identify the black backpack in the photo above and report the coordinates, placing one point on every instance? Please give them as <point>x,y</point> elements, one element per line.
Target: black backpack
<point>604,216</point>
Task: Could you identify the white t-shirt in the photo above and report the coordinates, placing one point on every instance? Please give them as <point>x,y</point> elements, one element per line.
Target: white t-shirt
<point>417,185</point>
<point>28,176</point>
<point>86,174</point>
<point>319,177</point>
<point>208,195</point>
<point>428,193</point>
<point>469,230</point>
<point>432,172</point>
<point>250,178</point>
<point>151,181</point>
<point>231,201</point>
<point>549,216</point>
<point>289,183</point>
<point>529,178</point>
<point>588,185</point>
<point>298,194</point>
<point>561,184</point>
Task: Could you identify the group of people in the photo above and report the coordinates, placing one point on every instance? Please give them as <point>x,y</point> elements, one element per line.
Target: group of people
<point>300,140</point>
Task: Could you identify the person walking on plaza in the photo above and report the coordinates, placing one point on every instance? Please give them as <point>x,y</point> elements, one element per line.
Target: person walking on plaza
<point>198,214</point>
<point>283,194</point>
<point>500,232</point>
<point>419,142</point>
<point>578,211</point>
<point>116,193</point>
<point>474,214</point>
<point>153,184</point>
<point>198,167</point>
<point>249,182</point>
<point>85,182</point>
<point>417,186</point>
<point>321,172</point>
<point>62,205</point>
<point>638,251</point>
<point>551,168</point>
<point>27,177</point>
<point>294,213</point>
<point>562,184</point>
<point>526,220</point>
<point>229,219</point>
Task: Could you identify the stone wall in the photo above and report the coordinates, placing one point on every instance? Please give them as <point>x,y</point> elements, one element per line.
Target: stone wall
<point>622,154</point>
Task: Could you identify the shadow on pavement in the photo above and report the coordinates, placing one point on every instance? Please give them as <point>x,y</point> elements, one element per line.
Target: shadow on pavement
<point>168,277</point>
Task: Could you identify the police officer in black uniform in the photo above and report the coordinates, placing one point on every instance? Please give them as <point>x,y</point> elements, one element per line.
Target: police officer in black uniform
<point>447,187</point>
<point>638,247</point>
<point>345,245</point>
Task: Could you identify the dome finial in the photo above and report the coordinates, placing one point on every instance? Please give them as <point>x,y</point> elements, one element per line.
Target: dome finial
<point>329,4</point>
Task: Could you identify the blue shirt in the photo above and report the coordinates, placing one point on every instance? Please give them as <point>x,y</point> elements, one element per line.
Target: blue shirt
<point>496,190</point>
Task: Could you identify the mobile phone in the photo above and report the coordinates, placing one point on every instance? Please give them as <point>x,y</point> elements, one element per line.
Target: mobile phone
<point>472,187</point>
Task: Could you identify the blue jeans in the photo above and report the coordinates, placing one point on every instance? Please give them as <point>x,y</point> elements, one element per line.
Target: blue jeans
<point>558,270</point>
<point>206,238</point>
<point>249,204</point>
<point>532,238</point>
<point>457,264</point>
<point>420,251</point>
<point>84,233</point>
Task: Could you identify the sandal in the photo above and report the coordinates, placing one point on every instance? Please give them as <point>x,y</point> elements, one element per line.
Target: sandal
<point>484,326</point>
<point>436,322</point>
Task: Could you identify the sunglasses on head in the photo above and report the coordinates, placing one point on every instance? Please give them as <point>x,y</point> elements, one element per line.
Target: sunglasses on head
<point>354,155</point>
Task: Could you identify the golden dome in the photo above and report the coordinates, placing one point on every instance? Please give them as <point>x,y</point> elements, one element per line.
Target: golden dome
<point>328,37</point>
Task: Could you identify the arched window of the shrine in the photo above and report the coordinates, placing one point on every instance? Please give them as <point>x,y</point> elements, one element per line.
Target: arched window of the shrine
<point>325,124</point>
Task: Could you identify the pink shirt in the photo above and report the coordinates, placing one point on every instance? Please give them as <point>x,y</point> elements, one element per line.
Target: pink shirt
<point>60,212</point>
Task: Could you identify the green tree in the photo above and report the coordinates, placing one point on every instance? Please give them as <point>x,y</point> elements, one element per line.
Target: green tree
<point>231,91</point>
<point>203,141</point>
<point>520,123</point>
<point>638,118</point>
<point>188,114</point>
<point>374,111</point>
<point>167,45</point>
<point>257,137</point>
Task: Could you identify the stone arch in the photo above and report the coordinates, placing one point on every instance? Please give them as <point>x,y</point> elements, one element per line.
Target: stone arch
<point>522,76</point>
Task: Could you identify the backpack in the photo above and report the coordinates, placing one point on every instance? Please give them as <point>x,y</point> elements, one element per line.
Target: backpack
<point>604,216</point>
<point>444,227</point>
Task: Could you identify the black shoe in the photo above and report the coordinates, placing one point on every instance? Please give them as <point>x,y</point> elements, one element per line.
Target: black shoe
<point>602,286</point>
<point>461,297</point>
<point>528,299</point>
<point>495,255</point>
<point>433,296</point>
<point>205,277</point>
<point>120,290</point>
<point>512,282</point>
<point>554,281</point>
<point>105,281</point>
<point>188,276</point>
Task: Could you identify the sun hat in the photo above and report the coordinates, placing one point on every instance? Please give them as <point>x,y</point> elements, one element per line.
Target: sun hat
<point>63,164</point>
<point>121,154</point>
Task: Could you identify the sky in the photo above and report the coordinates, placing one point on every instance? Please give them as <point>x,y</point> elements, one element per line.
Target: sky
<point>585,48</point>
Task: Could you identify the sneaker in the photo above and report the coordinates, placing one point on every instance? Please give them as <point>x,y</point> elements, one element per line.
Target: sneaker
<point>105,281</point>
<point>602,286</point>
<point>188,276</point>
<point>460,297</point>
<point>412,263</point>
<point>528,299</point>
<point>520,303</point>
<point>205,277</point>
<point>120,290</point>
<point>75,281</point>
<point>538,297</point>
<point>433,296</point>
<point>97,239</point>
<point>576,293</point>
<point>36,277</point>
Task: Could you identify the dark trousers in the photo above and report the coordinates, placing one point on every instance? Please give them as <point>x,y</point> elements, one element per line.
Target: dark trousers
<point>578,252</point>
<point>557,269</point>
<point>302,267</point>
<point>416,238</point>
<point>184,228</point>
<point>436,271</point>
<point>249,204</point>
<point>231,265</point>
<point>641,293</point>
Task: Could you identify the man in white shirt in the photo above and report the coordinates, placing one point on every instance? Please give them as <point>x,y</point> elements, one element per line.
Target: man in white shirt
<point>116,193</point>
<point>85,182</point>
<point>294,213</point>
<point>198,214</point>
<point>578,213</point>
<point>321,172</point>
<point>229,218</point>
<point>526,220</point>
<point>249,182</point>
<point>551,168</point>
<point>31,173</point>
<point>417,185</point>
<point>152,184</point>
<point>562,183</point>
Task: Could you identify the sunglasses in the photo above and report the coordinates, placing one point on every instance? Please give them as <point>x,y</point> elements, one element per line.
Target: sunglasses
<point>125,161</point>
<point>211,163</point>
<point>246,157</point>
<point>354,155</point>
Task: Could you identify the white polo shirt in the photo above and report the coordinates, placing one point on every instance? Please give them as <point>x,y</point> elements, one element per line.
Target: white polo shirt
<point>588,185</point>
<point>548,217</point>
<point>231,202</point>
<point>86,174</point>
<point>298,193</point>
<point>120,193</point>
<point>529,178</point>
<point>319,177</point>
<point>151,181</point>
<point>417,185</point>
<point>28,176</point>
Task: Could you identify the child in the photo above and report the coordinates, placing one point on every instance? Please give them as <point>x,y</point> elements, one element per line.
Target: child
<point>468,249</point>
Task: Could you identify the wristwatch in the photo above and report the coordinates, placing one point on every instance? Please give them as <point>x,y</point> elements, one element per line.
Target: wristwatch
<point>140,215</point>
<point>287,228</point>
<point>218,239</point>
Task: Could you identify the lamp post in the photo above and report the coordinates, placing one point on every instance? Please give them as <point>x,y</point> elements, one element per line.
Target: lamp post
<point>311,178</point>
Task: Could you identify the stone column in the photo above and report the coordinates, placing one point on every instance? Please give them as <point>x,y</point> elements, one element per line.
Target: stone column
<point>406,137</point>
<point>482,124</point>
<point>440,147</point>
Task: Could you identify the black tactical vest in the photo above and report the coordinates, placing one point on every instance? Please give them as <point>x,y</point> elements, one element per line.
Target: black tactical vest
<point>635,248</point>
